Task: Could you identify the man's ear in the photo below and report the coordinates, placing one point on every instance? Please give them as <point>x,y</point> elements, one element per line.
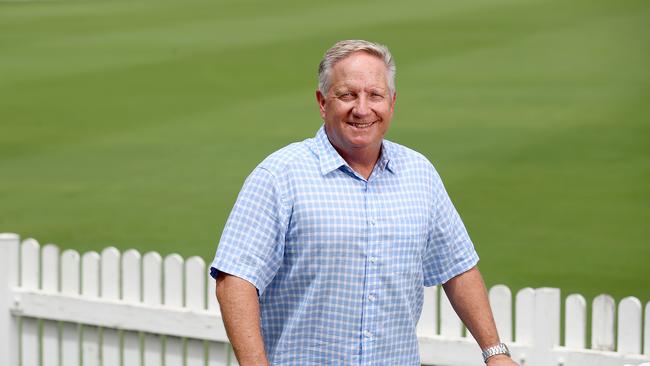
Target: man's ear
<point>320,98</point>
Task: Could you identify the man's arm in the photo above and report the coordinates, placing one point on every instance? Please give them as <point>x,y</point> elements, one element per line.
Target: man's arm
<point>240,309</point>
<point>468,296</point>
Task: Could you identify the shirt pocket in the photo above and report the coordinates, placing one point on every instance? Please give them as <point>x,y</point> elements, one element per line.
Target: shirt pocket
<point>404,238</point>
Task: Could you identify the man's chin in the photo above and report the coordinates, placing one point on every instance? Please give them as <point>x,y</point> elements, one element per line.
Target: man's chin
<point>364,143</point>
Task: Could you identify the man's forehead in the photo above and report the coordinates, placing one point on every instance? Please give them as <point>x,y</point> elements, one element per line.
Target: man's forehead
<point>359,71</point>
<point>349,85</point>
<point>359,59</point>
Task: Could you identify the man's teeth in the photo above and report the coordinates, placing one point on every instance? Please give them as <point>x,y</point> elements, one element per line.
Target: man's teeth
<point>361,125</point>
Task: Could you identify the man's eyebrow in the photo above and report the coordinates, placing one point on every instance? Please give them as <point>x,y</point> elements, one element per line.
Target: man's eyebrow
<point>341,89</point>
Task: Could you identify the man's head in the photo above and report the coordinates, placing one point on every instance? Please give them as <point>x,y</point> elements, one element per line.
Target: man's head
<point>356,97</point>
<point>343,49</point>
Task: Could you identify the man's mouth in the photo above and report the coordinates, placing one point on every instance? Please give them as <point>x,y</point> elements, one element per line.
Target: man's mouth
<point>361,125</point>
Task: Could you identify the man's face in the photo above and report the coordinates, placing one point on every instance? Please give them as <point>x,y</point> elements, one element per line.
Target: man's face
<point>358,107</point>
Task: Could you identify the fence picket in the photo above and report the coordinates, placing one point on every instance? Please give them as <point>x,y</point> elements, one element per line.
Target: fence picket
<point>195,300</point>
<point>195,352</point>
<point>195,283</point>
<point>450,324</point>
<point>602,323</point>
<point>110,274</point>
<point>152,295</point>
<point>217,354</point>
<point>524,315</point>
<point>110,290</point>
<point>646,331</point>
<point>30,269</point>
<point>131,276</point>
<point>9,279</point>
<point>575,323</point>
<point>70,272</point>
<point>30,266</point>
<point>50,268</point>
<point>547,316</point>
<point>131,292</point>
<point>90,275</point>
<point>90,289</point>
<point>501,303</point>
<point>50,283</point>
<point>629,326</point>
<point>70,346</point>
<point>30,345</point>
<point>173,297</point>
<point>546,325</point>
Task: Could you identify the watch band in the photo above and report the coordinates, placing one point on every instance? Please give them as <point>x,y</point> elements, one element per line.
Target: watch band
<point>499,349</point>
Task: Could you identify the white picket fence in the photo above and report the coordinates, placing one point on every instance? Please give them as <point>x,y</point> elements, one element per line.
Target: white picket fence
<point>112,308</point>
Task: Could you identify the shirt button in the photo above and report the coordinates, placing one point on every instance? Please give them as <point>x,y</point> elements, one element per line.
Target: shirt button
<point>367,334</point>
<point>373,222</point>
<point>373,259</point>
<point>371,297</point>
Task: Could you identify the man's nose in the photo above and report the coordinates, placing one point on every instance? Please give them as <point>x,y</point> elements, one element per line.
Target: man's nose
<point>362,107</point>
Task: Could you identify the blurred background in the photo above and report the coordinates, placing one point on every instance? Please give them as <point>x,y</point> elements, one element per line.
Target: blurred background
<point>134,123</point>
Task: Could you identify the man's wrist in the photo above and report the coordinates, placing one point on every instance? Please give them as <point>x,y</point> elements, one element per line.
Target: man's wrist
<point>497,350</point>
<point>496,360</point>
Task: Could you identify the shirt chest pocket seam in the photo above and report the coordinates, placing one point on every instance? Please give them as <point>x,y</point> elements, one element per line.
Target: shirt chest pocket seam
<point>404,238</point>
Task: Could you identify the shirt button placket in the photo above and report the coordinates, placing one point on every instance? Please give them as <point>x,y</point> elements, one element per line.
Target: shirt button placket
<point>371,311</point>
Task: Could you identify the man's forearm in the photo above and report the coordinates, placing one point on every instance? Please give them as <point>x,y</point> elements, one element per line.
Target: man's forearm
<point>240,310</point>
<point>468,296</point>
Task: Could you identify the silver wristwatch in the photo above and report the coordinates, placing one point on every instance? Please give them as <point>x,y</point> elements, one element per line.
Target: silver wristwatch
<point>499,349</point>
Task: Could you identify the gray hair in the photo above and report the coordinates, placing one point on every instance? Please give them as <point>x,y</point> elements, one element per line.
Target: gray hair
<point>343,49</point>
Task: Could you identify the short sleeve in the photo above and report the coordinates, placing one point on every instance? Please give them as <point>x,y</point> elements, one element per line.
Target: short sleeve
<point>449,251</point>
<point>252,243</point>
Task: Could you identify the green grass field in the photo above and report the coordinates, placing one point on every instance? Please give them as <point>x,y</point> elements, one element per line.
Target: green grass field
<point>134,123</point>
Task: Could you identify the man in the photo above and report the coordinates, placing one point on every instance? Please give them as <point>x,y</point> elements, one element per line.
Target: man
<point>325,254</point>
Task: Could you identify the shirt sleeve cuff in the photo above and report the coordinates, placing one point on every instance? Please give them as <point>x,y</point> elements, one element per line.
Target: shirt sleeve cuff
<point>455,270</point>
<point>215,269</point>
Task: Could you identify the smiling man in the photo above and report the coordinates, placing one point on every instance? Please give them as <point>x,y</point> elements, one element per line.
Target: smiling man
<point>325,255</point>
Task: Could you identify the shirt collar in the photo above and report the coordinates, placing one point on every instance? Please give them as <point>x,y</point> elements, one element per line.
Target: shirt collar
<point>387,158</point>
<point>330,159</point>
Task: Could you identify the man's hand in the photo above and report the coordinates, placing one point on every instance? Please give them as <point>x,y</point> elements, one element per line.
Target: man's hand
<point>501,360</point>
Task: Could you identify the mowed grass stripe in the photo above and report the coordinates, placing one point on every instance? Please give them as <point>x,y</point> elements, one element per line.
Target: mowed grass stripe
<point>134,124</point>
<point>150,33</point>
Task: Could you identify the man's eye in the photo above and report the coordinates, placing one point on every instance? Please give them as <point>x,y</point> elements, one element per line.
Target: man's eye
<point>376,96</point>
<point>346,96</point>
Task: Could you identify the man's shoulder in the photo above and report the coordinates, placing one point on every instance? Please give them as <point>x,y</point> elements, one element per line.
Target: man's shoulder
<point>293,155</point>
<point>407,157</point>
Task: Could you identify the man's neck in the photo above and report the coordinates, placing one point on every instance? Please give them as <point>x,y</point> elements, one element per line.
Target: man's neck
<point>361,161</point>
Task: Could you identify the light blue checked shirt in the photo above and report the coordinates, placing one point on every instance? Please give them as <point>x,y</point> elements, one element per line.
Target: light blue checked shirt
<point>340,261</point>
